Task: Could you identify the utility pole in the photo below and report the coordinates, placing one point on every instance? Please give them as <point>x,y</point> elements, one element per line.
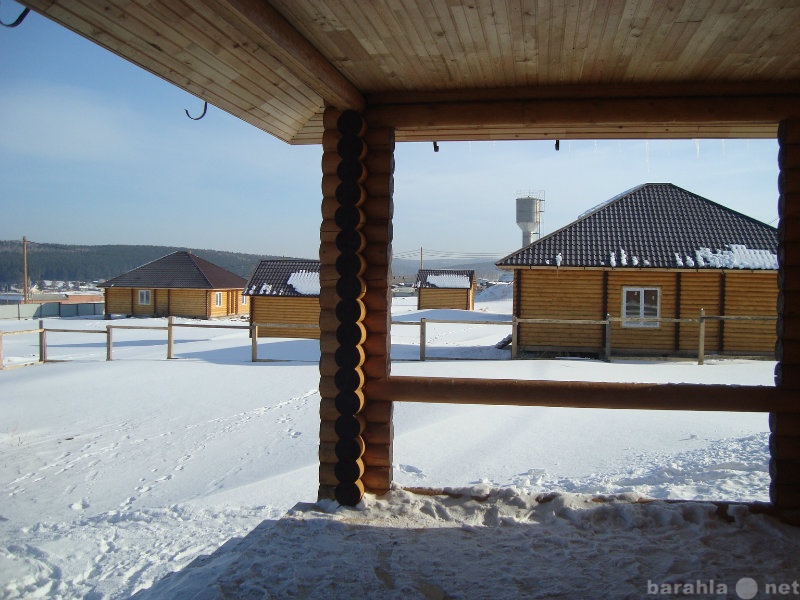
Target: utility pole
<point>25,288</point>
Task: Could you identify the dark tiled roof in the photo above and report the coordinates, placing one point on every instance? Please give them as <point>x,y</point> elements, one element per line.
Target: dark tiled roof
<point>178,270</point>
<point>423,276</point>
<point>271,277</point>
<point>650,223</point>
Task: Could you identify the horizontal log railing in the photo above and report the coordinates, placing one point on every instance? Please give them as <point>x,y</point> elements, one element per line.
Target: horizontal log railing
<point>584,394</point>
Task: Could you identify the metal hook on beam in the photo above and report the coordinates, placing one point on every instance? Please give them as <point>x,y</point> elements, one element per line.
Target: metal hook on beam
<point>19,20</point>
<point>435,146</point>
<point>203,114</point>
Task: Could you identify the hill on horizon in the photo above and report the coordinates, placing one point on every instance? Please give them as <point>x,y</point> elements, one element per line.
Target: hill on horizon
<point>67,262</point>
<point>77,262</point>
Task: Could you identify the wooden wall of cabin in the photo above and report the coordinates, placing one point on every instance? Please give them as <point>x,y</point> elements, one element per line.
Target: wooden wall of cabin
<point>283,309</point>
<point>624,338</point>
<point>750,293</point>
<point>230,305</point>
<point>699,289</point>
<point>189,303</point>
<point>559,294</point>
<point>578,294</point>
<point>118,301</point>
<point>445,298</point>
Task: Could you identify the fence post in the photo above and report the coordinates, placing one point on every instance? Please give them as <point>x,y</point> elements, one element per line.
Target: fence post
<point>170,337</point>
<point>701,337</point>
<point>109,341</point>
<point>42,342</point>
<point>1,350</point>
<point>254,342</point>
<point>422,336</point>
<point>607,349</point>
<point>514,338</point>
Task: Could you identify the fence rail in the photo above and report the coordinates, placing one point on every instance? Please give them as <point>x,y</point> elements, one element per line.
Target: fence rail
<point>607,323</point>
<point>169,328</point>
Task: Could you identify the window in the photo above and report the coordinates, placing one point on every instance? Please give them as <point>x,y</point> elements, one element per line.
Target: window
<point>144,297</point>
<point>218,299</point>
<point>639,304</point>
<point>244,300</point>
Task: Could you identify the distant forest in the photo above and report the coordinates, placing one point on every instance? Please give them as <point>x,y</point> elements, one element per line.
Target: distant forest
<point>61,262</point>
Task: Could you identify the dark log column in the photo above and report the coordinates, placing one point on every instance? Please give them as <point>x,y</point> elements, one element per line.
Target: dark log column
<point>784,443</point>
<point>355,273</point>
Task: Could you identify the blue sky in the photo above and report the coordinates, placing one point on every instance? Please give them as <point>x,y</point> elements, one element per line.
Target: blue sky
<point>94,150</point>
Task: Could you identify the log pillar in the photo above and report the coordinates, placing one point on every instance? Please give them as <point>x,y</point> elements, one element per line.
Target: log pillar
<point>784,442</point>
<point>355,293</point>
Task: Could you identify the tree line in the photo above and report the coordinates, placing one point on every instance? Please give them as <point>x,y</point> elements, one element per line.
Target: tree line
<point>64,262</point>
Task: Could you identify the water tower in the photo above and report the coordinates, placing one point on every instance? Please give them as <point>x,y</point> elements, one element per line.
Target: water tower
<point>530,206</point>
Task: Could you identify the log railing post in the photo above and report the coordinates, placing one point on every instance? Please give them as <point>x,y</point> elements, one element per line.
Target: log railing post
<point>109,342</point>
<point>607,340</point>
<point>701,337</point>
<point>170,337</point>
<point>514,338</point>
<point>423,336</point>
<point>784,444</point>
<point>254,342</point>
<point>1,350</point>
<point>42,342</point>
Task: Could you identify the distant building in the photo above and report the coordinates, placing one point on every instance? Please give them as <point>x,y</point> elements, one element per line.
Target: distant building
<point>445,288</point>
<point>656,251</point>
<point>285,292</point>
<point>180,284</point>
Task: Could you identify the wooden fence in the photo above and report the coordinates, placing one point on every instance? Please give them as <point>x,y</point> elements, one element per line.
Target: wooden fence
<point>169,328</point>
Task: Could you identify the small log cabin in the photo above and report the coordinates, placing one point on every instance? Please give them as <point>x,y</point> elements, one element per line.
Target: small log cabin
<point>654,252</point>
<point>358,77</point>
<point>285,292</point>
<point>180,284</point>
<point>442,288</point>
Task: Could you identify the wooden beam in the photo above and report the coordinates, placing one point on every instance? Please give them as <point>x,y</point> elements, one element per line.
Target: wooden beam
<point>584,394</point>
<point>583,118</point>
<point>300,57</point>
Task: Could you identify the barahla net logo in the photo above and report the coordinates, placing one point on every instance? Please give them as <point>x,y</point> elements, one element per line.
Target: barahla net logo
<point>746,588</point>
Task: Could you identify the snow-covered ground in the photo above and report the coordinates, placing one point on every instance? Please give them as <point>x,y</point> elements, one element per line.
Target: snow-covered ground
<point>114,474</point>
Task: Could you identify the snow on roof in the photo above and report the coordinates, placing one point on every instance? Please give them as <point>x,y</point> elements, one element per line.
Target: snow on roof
<point>305,282</point>
<point>738,257</point>
<point>450,280</point>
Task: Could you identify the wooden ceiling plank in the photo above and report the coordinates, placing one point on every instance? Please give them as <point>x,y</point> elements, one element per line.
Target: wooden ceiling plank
<point>306,61</point>
<point>257,69</point>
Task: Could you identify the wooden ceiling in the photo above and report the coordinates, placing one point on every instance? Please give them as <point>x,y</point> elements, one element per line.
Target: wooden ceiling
<point>474,69</point>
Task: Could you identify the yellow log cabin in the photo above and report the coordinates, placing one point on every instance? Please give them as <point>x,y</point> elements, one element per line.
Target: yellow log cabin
<point>180,284</point>
<point>441,288</point>
<point>650,259</point>
<point>284,298</point>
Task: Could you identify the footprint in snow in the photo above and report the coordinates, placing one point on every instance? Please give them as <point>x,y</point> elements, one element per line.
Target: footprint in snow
<point>411,470</point>
<point>82,505</point>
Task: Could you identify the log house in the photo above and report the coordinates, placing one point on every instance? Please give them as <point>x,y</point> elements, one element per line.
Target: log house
<point>285,291</point>
<point>180,284</point>
<point>435,71</point>
<point>656,251</point>
<point>445,288</point>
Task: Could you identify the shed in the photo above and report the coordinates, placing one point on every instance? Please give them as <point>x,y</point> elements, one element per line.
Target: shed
<point>651,256</point>
<point>443,288</point>
<point>285,292</point>
<point>180,284</point>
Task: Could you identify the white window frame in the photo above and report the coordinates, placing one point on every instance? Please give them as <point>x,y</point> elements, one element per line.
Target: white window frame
<point>217,299</point>
<point>144,298</point>
<point>244,300</point>
<point>639,321</point>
